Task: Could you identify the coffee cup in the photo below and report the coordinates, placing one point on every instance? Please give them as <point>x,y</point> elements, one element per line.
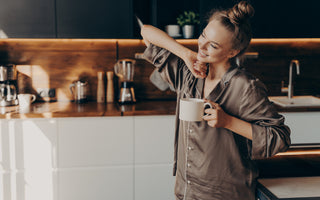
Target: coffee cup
<point>192,109</point>
<point>173,30</point>
<point>25,100</point>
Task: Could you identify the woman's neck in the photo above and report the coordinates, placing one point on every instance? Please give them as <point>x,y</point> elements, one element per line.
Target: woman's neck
<point>216,71</point>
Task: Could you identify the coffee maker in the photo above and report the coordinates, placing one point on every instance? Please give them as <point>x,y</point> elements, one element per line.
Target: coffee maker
<point>124,69</point>
<point>8,82</point>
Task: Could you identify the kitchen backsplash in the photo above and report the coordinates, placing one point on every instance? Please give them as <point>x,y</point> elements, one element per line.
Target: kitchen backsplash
<point>56,63</point>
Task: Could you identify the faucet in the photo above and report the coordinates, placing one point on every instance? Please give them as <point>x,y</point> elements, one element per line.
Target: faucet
<point>289,89</point>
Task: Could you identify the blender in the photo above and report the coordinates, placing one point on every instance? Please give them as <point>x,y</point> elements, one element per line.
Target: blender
<point>124,69</point>
<point>8,82</point>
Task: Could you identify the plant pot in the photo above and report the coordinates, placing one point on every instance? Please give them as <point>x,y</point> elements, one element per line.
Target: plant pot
<point>188,31</point>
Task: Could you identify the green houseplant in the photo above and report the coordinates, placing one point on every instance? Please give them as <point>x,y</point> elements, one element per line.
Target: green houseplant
<point>187,20</point>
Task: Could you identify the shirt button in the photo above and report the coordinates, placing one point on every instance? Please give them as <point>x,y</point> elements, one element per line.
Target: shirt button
<point>190,130</point>
<point>189,148</point>
<point>189,165</point>
<point>188,182</point>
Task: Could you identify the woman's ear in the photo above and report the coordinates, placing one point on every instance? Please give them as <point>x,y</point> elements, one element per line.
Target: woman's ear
<point>233,53</point>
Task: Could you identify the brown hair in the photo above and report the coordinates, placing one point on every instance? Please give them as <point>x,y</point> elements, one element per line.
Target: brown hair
<point>236,20</point>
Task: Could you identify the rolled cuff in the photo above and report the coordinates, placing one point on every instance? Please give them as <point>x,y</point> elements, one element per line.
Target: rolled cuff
<point>156,55</point>
<point>259,142</point>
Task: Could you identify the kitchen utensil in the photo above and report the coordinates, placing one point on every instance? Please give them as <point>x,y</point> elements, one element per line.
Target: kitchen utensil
<point>25,100</point>
<point>79,89</point>
<point>101,94</point>
<point>110,88</point>
<point>124,69</point>
<point>8,91</point>
<point>192,109</point>
<point>8,72</point>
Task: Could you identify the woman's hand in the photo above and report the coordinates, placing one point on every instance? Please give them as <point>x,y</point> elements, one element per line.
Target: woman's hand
<point>217,118</point>
<point>197,68</point>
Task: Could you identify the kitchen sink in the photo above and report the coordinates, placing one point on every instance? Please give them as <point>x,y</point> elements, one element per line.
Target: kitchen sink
<point>296,101</point>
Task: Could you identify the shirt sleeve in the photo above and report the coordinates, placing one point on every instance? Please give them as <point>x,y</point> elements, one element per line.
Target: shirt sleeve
<point>172,69</point>
<point>269,133</point>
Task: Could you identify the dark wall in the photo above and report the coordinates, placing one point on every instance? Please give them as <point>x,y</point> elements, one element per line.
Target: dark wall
<point>277,19</point>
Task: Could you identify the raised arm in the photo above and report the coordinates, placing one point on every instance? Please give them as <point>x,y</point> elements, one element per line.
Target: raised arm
<point>161,39</point>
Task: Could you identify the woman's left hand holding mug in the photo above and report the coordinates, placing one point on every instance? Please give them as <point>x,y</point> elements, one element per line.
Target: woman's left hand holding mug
<point>216,117</point>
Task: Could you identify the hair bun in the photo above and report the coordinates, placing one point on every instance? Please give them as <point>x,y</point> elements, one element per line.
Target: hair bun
<point>240,12</point>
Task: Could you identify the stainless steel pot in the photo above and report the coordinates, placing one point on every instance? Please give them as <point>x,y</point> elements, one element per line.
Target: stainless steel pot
<point>8,72</point>
<point>80,91</point>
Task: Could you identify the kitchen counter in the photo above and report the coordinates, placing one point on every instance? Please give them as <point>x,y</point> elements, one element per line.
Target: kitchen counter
<point>90,109</point>
<point>293,188</point>
<point>93,109</point>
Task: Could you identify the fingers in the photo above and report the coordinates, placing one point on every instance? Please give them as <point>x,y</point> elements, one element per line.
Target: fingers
<point>213,104</point>
<point>200,69</point>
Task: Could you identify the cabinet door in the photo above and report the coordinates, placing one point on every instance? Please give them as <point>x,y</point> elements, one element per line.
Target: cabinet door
<point>99,183</point>
<point>95,158</point>
<point>95,19</point>
<point>154,139</point>
<point>304,126</point>
<point>28,18</point>
<point>29,159</point>
<point>95,141</point>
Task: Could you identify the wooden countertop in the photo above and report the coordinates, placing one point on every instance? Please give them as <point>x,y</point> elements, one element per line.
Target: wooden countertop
<point>90,109</point>
<point>93,109</point>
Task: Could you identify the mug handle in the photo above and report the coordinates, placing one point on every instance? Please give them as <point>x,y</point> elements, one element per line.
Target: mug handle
<point>207,104</point>
<point>33,98</point>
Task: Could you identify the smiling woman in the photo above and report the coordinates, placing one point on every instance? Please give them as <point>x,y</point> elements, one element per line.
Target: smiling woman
<point>211,156</point>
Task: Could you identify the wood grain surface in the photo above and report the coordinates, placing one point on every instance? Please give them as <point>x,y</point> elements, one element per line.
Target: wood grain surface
<point>56,63</point>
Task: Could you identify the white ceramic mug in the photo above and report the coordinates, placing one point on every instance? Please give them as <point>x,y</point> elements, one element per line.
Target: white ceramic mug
<point>25,100</point>
<point>173,30</point>
<point>192,109</point>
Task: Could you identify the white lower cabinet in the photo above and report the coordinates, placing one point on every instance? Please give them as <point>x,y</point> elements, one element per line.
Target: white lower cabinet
<point>28,159</point>
<point>154,141</point>
<point>304,126</point>
<point>95,141</point>
<point>101,183</point>
<point>118,158</point>
<point>154,182</point>
<point>95,159</point>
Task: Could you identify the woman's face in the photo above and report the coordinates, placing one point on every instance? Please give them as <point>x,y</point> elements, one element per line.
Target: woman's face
<point>215,44</point>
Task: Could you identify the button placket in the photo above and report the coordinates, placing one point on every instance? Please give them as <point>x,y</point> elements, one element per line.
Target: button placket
<point>188,165</point>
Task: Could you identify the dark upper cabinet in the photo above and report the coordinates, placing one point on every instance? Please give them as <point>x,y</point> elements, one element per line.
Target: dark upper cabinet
<point>115,18</point>
<point>94,19</point>
<point>28,18</point>
<point>277,19</point>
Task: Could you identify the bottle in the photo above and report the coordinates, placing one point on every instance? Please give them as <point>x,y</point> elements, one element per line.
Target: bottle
<point>110,88</point>
<point>101,95</point>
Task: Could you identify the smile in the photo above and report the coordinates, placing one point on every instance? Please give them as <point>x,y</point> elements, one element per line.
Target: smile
<point>201,54</point>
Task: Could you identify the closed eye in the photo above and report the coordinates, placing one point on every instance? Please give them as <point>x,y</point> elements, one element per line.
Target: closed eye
<point>211,43</point>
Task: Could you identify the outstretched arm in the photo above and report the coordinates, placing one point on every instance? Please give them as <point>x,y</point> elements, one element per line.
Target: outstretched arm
<point>161,39</point>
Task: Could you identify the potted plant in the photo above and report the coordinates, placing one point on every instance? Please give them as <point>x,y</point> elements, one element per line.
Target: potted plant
<point>187,20</point>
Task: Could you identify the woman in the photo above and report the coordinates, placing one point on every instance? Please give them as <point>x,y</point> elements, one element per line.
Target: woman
<point>214,158</point>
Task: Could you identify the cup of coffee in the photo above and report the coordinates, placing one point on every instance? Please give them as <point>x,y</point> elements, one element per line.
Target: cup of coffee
<point>25,100</point>
<point>192,109</point>
<point>173,30</point>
